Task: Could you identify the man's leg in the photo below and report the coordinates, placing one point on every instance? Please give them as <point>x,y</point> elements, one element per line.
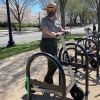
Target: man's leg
<point>51,70</point>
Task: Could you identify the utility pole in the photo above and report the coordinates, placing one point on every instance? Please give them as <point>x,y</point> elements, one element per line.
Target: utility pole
<point>10,42</point>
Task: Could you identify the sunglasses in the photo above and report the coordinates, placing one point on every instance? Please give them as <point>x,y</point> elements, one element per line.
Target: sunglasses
<point>51,9</point>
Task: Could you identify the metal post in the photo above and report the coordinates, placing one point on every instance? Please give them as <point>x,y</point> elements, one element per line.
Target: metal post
<point>10,42</point>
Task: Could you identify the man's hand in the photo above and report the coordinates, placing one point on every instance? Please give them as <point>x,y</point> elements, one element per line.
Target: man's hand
<point>59,33</point>
<point>68,32</point>
<point>63,30</point>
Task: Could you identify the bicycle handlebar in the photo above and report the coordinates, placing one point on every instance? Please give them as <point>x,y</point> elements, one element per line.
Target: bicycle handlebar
<point>66,33</point>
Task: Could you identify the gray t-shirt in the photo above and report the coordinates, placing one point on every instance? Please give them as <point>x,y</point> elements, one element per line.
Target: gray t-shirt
<point>50,24</point>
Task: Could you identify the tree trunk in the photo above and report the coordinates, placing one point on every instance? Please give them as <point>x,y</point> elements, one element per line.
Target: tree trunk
<point>19,26</point>
<point>98,16</point>
<point>74,20</point>
<point>62,15</point>
<point>19,22</point>
<point>82,17</point>
<point>71,21</point>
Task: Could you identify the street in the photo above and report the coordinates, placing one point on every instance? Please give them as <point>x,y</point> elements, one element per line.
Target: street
<point>29,36</point>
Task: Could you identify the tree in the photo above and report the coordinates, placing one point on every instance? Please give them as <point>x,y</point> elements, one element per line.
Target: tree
<point>44,2</point>
<point>73,9</point>
<point>19,8</point>
<point>3,17</point>
<point>98,15</point>
<point>95,6</point>
<point>62,4</point>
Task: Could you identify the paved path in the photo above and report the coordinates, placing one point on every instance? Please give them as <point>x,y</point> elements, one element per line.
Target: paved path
<point>29,36</point>
<point>12,78</point>
<point>19,38</point>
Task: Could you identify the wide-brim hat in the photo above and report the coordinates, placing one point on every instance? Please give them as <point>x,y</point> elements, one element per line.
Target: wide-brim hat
<point>51,5</point>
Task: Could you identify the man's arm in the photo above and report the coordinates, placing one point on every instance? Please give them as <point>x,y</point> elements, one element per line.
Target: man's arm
<point>48,32</point>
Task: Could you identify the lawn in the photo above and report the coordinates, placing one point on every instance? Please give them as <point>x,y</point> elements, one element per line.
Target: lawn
<point>9,51</point>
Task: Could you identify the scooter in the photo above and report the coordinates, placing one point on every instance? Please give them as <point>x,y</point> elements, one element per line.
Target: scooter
<point>75,91</point>
<point>61,90</point>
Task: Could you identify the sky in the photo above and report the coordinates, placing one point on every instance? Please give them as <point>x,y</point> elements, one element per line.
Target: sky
<point>37,8</point>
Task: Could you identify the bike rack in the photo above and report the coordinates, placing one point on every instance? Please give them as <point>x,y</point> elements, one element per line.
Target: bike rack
<point>75,63</point>
<point>96,38</point>
<point>92,51</point>
<point>61,89</point>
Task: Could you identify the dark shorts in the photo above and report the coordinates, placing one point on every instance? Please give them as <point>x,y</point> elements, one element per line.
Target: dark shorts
<point>49,45</point>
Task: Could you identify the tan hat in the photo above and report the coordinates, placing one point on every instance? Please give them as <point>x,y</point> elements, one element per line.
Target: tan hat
<point>51,5</point>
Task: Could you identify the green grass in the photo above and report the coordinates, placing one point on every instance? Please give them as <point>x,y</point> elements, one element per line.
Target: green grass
<point>9,51</point>
<point>72,36</point>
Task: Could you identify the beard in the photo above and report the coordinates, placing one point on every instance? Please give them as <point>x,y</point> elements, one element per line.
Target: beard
<point>51,14</point>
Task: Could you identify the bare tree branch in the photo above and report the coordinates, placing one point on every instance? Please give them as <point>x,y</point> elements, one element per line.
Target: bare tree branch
<point>19,7</point>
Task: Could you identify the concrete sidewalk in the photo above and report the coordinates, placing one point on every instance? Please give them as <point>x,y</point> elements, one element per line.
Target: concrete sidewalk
<point>12,78</point>
<point>28,36</point>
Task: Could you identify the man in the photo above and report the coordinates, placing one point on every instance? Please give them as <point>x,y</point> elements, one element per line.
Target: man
<point>48,42</point>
